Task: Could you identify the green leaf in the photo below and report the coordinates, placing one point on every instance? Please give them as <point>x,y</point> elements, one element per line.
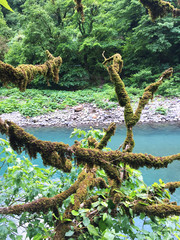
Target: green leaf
<point>95,204</point>
<point>86,221</point>
<point>104,216</point>
<point>13,225</point>
<point>92,230</point>
<point>37,236</point>
<point>69,233</point>
<point>109,236</point>
<point>143,203</point>
<point>104,204</point>
<point>5,4</point>
<point>75,213</point>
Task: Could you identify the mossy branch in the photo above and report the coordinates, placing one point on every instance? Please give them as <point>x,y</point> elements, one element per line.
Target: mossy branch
<point>43,204</point>
<point>109,132</point>
<point>25,73</point>
<point>159,210</point>
<point>172,186</point>
<point>114,66</point>
<point>79,8</point>
<point>147,95</point>
<point>53,153</point>
<point>159,8</point>
<point>135,160</point>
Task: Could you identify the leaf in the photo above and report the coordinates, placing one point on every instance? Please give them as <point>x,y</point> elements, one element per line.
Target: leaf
<point>92,230</point>
<point>104,204</point>
<point>5,4</point>
<point>95,204</point>
<point>143,203</point>
<point>104,216</point>
<point>37,236</point>
<point>13,226</point>
<point>109,236</point>
<point>69,233</point>
<point>75,213</point>
<point>86,221</point>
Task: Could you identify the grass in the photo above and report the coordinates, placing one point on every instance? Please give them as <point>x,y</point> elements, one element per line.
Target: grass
<point>35,102</point>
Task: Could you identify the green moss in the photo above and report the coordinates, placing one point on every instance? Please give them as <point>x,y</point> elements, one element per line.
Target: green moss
<point>109,133</point>
<point>159,210</point>
<point>53,154</point>
<point>157,8</point>
<point>172,186</point>
<point>24,74</point>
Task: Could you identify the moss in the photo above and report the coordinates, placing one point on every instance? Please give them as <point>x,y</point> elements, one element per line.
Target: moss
<point>92,143</point>
<point>3,127</point>
<point>109,133</point>
<point>172,186</point>
<point>157,8</point>
<point>24,74</point>
<point>159,210</point>
<point>82,191</point>
<point>129,141</point>
<point>53,154</point>
<point>79,8</point>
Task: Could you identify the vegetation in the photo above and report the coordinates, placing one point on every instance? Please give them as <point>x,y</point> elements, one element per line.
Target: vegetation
<point>103,192</point>
<point>112,26</point>
<point>35,102</point>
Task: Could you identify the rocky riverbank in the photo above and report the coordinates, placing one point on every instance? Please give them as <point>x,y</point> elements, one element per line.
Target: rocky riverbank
<point>160,110</point>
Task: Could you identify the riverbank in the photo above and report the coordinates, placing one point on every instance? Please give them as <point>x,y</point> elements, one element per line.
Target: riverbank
<point>160,110</point>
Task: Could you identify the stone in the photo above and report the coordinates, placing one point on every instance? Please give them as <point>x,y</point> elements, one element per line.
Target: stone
<point>78,108</point>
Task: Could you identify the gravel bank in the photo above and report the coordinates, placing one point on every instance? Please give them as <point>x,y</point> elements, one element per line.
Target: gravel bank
<point>90,115</point>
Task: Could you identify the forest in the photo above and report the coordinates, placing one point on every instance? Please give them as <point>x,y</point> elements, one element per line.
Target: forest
<point>88,191</point>
<point>148,47</point>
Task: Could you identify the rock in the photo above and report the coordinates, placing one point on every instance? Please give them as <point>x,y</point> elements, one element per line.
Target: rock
<point>78,108</point>
<point>98,117</point>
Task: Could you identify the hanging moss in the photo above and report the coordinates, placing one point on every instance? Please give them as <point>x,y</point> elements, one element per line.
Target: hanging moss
<point>53,154</point>
<point>79,8</point>
<point>157,8</point>
<point>25,73</point>
<point>3,127</point>
<point>172,186</point>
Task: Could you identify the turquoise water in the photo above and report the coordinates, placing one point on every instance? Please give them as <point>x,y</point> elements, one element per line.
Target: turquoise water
<point>158,140</point>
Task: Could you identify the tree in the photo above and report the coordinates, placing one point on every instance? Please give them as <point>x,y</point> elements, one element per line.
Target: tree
<point>116,166</point>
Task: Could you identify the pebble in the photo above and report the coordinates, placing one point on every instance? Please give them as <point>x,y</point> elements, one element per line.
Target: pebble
<point>89,115</point>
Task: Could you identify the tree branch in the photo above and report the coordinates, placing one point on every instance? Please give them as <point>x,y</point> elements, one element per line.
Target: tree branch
<point>25,73</point>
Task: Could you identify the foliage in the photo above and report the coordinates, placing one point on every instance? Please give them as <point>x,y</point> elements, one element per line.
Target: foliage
<point>110,26</point>
<point>161,110</point>
<point>35,102</point>
<point>30,182</point>
<point>108,193</point>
